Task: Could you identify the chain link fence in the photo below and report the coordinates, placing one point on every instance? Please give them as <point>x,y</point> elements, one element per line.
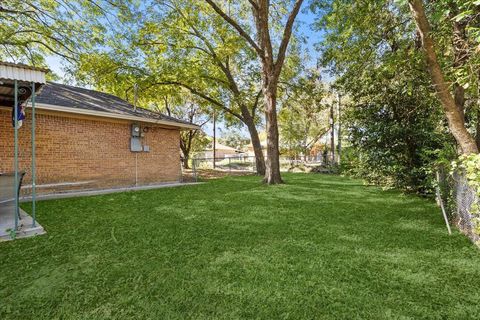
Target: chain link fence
<point>227,164</point>
<point>199,168</point>
<point>466,200</point>
<point>460,201</point>
<point>207,168</point>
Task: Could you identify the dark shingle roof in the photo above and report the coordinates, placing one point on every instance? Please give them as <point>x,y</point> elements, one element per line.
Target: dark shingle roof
<point>80,98</point>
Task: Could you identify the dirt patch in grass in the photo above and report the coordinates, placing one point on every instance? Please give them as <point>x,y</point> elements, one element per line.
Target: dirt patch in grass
<point>208,174</point>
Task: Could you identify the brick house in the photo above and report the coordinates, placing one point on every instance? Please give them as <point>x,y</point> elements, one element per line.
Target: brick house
<point>87,140</point>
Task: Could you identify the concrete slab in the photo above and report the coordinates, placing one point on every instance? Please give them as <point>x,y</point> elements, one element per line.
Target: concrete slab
<point>87,193</point>
<point>25,228</point>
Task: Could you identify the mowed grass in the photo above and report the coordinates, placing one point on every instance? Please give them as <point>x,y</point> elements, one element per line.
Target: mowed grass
<point>318,247</point>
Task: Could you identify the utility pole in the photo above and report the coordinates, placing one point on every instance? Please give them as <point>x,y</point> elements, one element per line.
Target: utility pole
<point>135,97</point>
<point>214,137</point>
<point>339,132</point>
<point>332,133</point>
<point>135,101</point>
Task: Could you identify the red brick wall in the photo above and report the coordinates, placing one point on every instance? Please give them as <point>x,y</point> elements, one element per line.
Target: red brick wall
<point>89,153</point>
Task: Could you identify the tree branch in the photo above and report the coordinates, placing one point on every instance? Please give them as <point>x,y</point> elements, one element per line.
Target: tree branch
<point>2,9</point>
<point>255,104</point>
<point>25,43</point>
<point>234,24</point>
<point>287,33</point>
<point>254,4</point>
<point>199,94</point>
<point>452,111</point>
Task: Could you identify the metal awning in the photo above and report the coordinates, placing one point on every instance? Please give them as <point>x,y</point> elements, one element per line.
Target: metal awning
<point>18,86</point>
<point>24,76</point>
<point>22,72</point>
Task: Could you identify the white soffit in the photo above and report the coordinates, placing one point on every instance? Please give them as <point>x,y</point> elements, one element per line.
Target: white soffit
<point>20,72</point>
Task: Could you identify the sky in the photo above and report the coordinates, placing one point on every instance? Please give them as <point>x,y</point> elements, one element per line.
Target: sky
<point>55,65</point>
<point>304,22</point>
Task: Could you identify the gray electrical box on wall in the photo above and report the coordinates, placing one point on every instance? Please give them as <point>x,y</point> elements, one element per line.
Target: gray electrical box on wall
<point>135,145</point>
<point>135,142</point>
<point>135,130</point>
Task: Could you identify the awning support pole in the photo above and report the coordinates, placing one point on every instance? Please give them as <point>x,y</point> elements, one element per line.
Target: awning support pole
<point>34,167</point>
<point>15,164</point>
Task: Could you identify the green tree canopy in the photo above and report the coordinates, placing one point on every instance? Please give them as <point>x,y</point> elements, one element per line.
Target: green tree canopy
<point>394,121</point>
<point>33,29</point>
<point>184,46</point>
<point>303,118</point>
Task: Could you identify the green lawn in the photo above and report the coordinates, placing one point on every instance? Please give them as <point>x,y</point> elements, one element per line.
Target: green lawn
<point>318,247</point>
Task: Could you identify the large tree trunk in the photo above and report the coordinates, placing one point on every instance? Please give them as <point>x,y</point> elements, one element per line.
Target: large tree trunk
<point>477,133</point>
<point>478,129</point>
<point>332,133</point>
<point>271,70</point>
<point>185,146</point>
<point>272,172</point>
<point>453,112</point>
<point>257,146</point>
<point>270,74</point>
<point>186,156</point>
<point>185,162</point>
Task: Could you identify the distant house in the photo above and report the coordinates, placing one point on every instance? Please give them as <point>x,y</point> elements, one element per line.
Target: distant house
<point>221,152</point>
<point>251,153</point>
<point>87,139</point>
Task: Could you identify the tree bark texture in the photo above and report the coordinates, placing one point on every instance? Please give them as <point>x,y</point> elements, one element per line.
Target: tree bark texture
<point>452,111</point>
<point>272,172</point>
<point>257,145</point>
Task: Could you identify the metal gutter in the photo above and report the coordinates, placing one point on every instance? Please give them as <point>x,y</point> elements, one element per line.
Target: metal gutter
<point>49,107</point>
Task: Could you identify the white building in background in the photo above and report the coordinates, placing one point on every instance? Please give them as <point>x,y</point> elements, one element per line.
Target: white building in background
<point>251,153</point>
<point>221,152</point>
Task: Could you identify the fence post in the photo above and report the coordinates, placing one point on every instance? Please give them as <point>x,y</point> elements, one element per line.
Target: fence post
<point>182,171</point>
<point>34,165</point>
<point>440,201</point>
<point>194,166</point>
<point>15,155</point>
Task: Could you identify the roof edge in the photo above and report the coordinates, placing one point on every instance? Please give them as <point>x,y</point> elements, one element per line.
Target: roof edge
<point>24,66</point>
<point>50,107</point>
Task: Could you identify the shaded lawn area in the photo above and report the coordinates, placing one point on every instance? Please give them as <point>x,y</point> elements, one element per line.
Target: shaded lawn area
<point>322,247</point>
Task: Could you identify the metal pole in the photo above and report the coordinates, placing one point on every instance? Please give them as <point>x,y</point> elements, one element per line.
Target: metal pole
<point>194,165</point>
<point>332,136</point>
<point>34,167</point>
<point>135,97</point>
<point>440,201</point>
<point>15,161</point>
<point>214,137</point>
<point>181,169</point>
<point>339,132</point>
<point>136,169</point>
